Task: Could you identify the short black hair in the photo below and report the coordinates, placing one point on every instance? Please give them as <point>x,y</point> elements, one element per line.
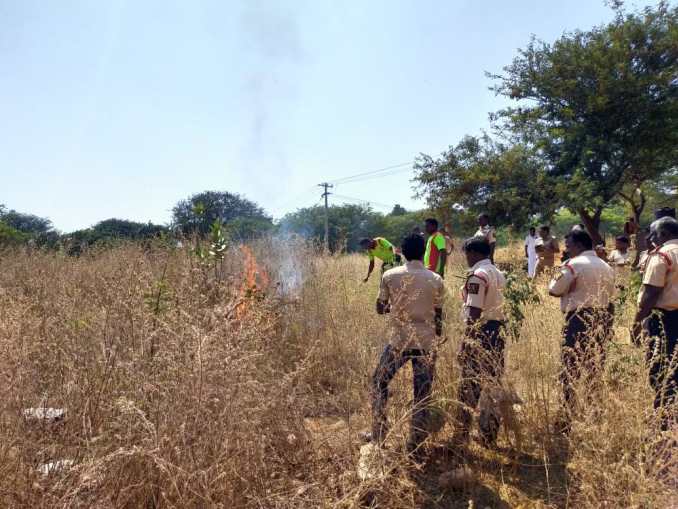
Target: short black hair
<point>365,242</point>
<point>545,227</point>
<point>623,238</point>
<point>582,238</point>
<point>668,225</point>
<point>432,221</point>
<point>477,245</point>
<point>484,214</point>
<point>413,247</point>
<point>665,212</point>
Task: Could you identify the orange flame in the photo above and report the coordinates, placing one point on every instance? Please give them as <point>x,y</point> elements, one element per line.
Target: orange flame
<point>255,282</point>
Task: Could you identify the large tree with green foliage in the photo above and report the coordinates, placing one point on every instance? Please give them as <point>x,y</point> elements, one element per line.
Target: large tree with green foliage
<point>480,175</point>
<point>348,224</point>
<point>241,217</point>
<point>600,106</point>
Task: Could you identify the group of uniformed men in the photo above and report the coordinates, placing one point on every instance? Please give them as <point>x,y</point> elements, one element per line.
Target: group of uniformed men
<point>413,295</point>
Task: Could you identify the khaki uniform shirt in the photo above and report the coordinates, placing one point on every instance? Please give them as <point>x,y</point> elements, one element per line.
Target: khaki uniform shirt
<point>547,253</point>
<point>661,272</point>
<point>483,290</point>
<point>585,281</point>
<point>414,292</point>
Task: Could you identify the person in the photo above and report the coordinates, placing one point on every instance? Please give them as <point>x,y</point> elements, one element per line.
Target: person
<point>585,287</point>
<point>487,232</point>
<point>413,296</point>
<point>381,248</point>
<point>565,255</point>
<point>417,231</point>
<point>620,256</point>
<point>531,252</point>
<point>435,257</point>
<point>657,318</point>
<point>547,247</point>
<point>665,212</point>
<point>481,357</point>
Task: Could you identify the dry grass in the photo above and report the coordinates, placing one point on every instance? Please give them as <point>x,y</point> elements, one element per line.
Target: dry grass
<point>173,402</point>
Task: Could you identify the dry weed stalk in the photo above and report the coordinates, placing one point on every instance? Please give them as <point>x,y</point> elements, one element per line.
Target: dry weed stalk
<point>172,401</point>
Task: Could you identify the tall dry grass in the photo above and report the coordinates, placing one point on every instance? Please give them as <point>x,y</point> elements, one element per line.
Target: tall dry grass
<point>174,401</point>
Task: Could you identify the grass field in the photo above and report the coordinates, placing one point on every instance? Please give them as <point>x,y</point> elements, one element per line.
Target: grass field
<point>190,385</point>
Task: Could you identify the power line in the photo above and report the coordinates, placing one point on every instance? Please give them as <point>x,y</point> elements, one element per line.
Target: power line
<point>360,200</point>
<point>370,174</point>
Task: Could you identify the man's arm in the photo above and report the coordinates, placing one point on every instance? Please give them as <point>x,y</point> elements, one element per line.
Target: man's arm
<point>561,284</point>
<point>443,261</point>
<point>369,270</point>
<point>473,321</point>
<point>648,301</point>
<point>383,298</point>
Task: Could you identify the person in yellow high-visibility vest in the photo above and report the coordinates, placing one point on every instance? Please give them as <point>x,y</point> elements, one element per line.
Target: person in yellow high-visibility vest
<point>436,248</point>
<point>381,248</point>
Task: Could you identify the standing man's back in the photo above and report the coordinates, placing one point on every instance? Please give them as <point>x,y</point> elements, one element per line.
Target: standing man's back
<point>413,295</point>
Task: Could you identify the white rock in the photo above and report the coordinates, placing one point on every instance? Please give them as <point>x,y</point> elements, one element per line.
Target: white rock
<point>48,415</point>
<point>55,466</point>
<point>371,464</point>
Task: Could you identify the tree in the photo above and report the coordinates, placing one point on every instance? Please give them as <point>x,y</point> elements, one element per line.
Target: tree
<point>398,210</point>
<point>600,106</point>
<point>480,175</point>
<point>25,223</point>
<point>196,214</point>
<point>348,224</point>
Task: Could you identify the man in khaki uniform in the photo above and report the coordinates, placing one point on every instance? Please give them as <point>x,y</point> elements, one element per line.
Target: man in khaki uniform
<point>547,247</point>
<point>481,357</point>
<point>658,316</point>
<point>413,295</point>
<point>585,286</point>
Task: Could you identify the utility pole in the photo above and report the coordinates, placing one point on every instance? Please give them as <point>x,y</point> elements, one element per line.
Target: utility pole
<point>325,195</point>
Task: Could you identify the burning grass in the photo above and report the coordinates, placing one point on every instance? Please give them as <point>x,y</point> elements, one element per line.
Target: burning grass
<point>245,387</point>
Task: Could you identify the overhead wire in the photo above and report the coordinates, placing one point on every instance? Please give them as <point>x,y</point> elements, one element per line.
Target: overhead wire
<point>372,173</point>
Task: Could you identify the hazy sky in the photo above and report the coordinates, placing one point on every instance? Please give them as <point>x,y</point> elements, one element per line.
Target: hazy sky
<point>120,108</point>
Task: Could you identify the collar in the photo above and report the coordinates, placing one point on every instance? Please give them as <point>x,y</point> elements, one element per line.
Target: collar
<point>590,253</point>
<point>481,263</point>
<point>415,264</point>
<point>672,242</point>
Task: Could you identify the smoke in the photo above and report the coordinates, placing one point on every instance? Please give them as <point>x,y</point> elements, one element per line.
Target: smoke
<point>270,37</point>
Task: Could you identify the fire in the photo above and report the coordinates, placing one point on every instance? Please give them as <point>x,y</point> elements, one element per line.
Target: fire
<point>254,283</point>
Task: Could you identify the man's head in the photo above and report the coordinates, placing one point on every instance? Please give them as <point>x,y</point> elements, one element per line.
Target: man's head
<point>483,219</point>
<point>416,230</point>
<point>431,225</point>
<point>665,212</point>
<point>413,247</point>
<point>578,241</point>
<point>544,231</point>
<point>533,231</point>
<point>476,249</point>
<point>367,243</point>
<point>621,243</point>
<point>664,229</point>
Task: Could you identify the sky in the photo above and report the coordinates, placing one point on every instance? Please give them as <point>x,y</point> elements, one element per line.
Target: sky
<point>122,108</point>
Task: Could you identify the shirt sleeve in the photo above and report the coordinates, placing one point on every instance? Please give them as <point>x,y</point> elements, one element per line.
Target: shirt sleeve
<point>655,271</point>
<point>439,242</point>
<point>384,292</point>
<point>560,285</point>
<point>476,290</point>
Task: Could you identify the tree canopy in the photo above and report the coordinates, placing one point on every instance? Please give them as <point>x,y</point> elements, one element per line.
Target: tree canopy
<point>508,182</point>
<point>600,106</point>
<point>242,217</point>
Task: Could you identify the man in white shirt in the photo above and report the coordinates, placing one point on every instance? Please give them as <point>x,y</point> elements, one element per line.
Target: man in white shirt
<point>531,252</point>
<point>487,232</point>
<point>620,256</point>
